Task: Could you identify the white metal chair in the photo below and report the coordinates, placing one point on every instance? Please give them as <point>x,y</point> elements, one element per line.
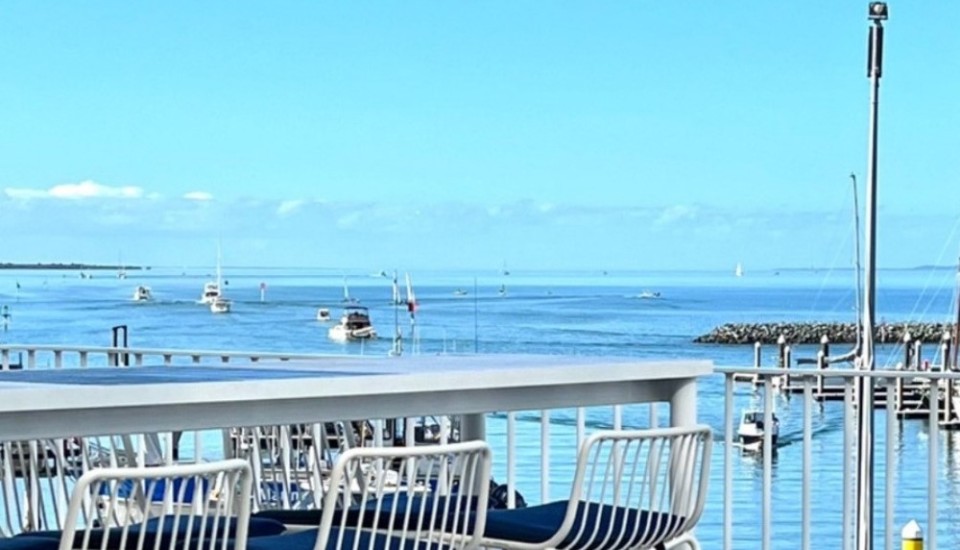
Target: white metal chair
<point>632,490</point>
<point>194,506</point>
<point>289,465</point>
<point>35,480</point>
<point>399,498</point>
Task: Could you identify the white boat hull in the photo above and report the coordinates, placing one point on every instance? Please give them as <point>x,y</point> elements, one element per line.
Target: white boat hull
<point>340,333</point>
<point>220,306</point>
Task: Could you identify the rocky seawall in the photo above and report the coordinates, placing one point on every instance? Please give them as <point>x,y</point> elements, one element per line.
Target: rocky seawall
<point>811,333</point>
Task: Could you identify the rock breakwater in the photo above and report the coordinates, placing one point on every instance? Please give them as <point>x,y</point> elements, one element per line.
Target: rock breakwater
<point>811,333</point>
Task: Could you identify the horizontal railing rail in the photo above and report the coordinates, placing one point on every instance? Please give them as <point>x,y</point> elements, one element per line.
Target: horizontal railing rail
<point>56,356</point>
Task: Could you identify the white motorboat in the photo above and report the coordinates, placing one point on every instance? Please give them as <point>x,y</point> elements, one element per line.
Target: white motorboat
<point>354,325</point>
<point>323,314</point>
<point>459,292</point>
<point>212,291</point>
<point>220,305</point>
<point>751,431</point>
<point>647,295</point>
<point>142,294</point>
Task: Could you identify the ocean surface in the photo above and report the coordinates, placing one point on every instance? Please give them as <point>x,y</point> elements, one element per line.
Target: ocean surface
<point>587,313</point>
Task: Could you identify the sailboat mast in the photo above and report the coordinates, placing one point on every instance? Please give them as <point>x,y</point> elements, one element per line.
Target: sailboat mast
<point>218,264</point>
<point>877,13</point>
<point>397,350</point>
<point>956,322</point>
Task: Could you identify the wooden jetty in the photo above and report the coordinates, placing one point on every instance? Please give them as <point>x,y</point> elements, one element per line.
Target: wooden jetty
<point>911,396</point>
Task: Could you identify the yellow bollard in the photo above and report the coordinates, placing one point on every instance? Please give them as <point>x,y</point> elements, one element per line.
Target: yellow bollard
<point>912,537</point>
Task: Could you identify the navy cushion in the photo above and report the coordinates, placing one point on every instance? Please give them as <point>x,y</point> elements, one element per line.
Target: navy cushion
<point>536,524</point>
<point>258,528</point>
<point>312,517</point>
<point>305,540</point>
<point>24,543</point>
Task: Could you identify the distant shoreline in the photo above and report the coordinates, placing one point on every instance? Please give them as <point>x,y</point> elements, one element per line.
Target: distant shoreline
<point>72,267</point>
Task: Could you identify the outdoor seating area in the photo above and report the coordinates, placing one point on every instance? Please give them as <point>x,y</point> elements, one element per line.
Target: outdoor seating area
<point>632,490</point>
<point>334,484</point>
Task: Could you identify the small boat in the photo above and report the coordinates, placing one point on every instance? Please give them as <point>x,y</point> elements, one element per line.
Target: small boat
<point>323,314</point>
<point>354,325</point>
<point>220,305</point>
<point>739,270</point>
<point>751,430</point>
<point>211,293</point>
<point>212,290</point>
<point>647,295</point>
<point>503,290</point>
<point>142,294</point>
<point>459,292</point>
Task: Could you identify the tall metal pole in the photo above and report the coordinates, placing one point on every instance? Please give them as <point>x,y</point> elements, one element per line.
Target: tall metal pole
<point>877,13</point>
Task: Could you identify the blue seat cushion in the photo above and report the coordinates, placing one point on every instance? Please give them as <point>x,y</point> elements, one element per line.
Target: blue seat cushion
<point>258,527</point>
<point>536,524</point>
<point>305,540</point>
<point>353,516</point>
<point>24,543</point>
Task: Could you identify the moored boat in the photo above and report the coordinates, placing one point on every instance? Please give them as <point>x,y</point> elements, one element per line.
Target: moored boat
<point>354,325</point>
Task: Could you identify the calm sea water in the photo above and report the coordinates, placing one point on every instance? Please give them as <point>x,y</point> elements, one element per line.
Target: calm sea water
<point>546,313</point>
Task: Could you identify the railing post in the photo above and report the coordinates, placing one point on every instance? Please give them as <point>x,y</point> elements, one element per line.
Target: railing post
<point>544,456</point>
<point>728,461</point>
<point>807,461</point>
<point>932,461</point>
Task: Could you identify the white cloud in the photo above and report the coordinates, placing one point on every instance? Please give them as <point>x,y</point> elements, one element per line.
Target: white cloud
<point>84,190</point>
<point>24,193</point>
<point>289,207</point>
<point>198,196</point>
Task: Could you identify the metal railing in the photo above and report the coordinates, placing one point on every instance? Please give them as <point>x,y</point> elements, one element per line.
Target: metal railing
<point>56,356</point>
<point>533,467</point>
<point>809,388</point>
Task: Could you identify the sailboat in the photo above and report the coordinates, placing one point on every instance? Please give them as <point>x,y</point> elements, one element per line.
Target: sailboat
<point>213,291</point>
<point>347,299</point>
<point>739,270</point>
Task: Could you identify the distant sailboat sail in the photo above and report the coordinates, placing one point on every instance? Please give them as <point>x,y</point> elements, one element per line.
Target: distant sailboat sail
<point>739,271</point>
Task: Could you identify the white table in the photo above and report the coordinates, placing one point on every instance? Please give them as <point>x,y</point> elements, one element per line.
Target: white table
<point>78,402</point>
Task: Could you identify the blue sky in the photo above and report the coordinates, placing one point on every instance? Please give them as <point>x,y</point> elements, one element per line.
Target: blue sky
<point>640,135</point>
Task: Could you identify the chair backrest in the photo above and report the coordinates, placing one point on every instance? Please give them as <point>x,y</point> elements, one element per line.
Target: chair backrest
<point>431,493</point>
<point>289,464</point>
<point>35,484</point>
<point>195,506</point>
<point>637,489</point>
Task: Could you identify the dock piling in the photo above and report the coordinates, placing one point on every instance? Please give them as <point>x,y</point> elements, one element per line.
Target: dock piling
<point>911,536</point>
<point>821,365</point>
<point>781,349</point>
